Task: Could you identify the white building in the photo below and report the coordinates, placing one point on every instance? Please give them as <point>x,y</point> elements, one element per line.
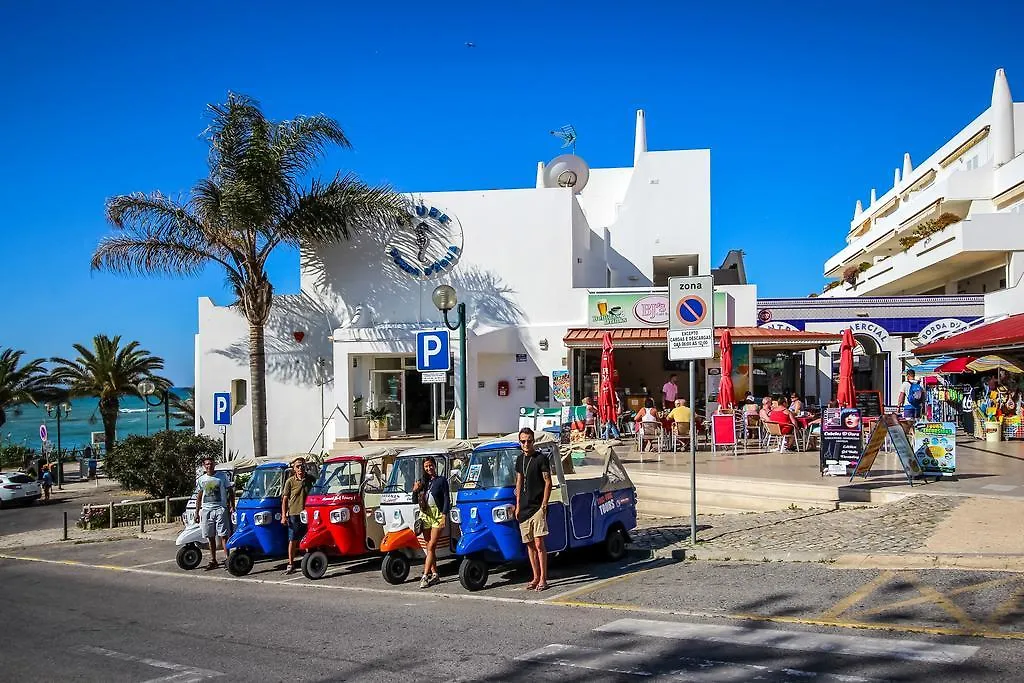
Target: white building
<point>526,260</point>
<point>952,225</point>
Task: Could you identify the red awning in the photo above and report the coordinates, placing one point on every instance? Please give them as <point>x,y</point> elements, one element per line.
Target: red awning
<point>954,366</point>
<point>1003,335</point>
<point>657,337</point>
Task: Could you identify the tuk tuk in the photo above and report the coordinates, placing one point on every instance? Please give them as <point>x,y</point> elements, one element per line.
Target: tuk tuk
<point>399,514</point>
<point>259,532</point>
<point>190,542</point>
<point>340,509</point>
<point>592,503</point>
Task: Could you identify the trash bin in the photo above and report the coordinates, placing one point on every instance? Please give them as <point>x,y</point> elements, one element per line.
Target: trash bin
<point>992,431</point>
<point>83,468</point>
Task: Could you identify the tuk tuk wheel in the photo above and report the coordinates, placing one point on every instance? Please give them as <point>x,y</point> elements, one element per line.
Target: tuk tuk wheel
<point>239,563</point>
<point>615,545</point>
<point>473,574</point>
<point>314,565</point>
<point>395,568</point>
<point>189,556</point>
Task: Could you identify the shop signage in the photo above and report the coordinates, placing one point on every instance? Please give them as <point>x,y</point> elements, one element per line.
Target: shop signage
<point>764,315</point>
<point>840,441</point>
<point>691,326</point>
<point>870,329</point>
<point>780,325</point>
<point>642,309</point>
<point>935,448</point>
<point>429,245</point>
<point>940,328</point>
<point>560,386</point>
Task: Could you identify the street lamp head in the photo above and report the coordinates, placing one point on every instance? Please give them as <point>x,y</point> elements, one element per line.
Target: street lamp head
<point>49,408</point>
<point>67,408</point>
<point>444,297</point>
<point>146,387</point>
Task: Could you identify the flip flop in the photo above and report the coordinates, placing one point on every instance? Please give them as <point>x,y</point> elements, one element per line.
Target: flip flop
<point>211,566</point>
<point>541,587</point>
<point>532,586</point>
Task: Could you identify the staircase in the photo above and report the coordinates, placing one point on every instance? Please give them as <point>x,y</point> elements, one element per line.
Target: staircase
<point>668,495</point>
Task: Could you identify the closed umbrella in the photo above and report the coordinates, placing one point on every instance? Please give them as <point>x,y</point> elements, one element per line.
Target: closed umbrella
<point>607,404</point>
<point>845,393</point>
<point>725,390</point>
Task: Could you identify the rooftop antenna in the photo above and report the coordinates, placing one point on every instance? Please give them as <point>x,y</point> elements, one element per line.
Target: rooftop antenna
<point>568,136</point>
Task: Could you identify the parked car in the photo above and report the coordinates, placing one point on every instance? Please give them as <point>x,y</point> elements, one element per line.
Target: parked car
<point>16,487</point>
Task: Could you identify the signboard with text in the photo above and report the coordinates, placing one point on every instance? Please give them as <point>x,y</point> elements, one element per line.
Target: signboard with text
<point>841,434</point>
<point>691,326</point>
<point>615,310</point>
<point>935,448</point>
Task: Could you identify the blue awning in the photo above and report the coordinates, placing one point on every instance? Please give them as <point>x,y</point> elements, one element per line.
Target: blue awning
<point>931,364</point>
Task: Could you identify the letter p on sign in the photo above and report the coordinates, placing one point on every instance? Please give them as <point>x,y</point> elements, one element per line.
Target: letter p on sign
<point>432,353</point>
<point>222,408</point>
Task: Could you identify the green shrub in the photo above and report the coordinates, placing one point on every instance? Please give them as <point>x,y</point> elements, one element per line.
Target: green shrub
<point>160,465</point>
<point>15,456</point>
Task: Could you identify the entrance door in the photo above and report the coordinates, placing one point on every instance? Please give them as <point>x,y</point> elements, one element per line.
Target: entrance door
<point>418,404</point>
<point>387,389</point>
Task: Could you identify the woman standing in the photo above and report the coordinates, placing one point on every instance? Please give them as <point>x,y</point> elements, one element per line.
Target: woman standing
<point>431,491</point>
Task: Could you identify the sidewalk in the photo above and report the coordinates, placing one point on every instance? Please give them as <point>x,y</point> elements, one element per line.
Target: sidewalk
<point>916,532</point>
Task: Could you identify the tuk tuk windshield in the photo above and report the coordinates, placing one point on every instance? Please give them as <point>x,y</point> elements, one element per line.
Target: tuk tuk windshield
<point>408,470</point>
<point>492,469</point>
<point>264,484</point>
<point>338,477</point>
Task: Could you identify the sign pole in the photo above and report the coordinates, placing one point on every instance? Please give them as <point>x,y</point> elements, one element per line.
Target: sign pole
<point>693,447</point>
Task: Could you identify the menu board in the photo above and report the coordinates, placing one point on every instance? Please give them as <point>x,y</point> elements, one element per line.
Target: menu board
<point>904,449</point>
<point>869,403</point>
<point>871,450</point>
<point>935,448</point>
<point>841,433</point>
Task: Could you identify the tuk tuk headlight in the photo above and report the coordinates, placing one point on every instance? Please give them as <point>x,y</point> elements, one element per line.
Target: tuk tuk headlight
<point>262,518</point>
<point>303,517</point>
<point>340,515</point>
<point>456,516</point>
<point>503,513</point>
<point>378,516</point>
<point>234,518</point>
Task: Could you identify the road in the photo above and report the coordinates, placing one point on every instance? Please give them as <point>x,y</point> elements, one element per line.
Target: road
<point>125,612</point>
<point>22,518</point>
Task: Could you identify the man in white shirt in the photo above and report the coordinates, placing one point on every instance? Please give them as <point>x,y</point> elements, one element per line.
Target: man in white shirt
<point>911,397</point>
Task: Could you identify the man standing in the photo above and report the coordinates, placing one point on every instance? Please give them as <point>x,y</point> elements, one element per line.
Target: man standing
<point>533,489</point>
<point>293,500</point>
<point>911,397</point>
<point>213,505</point>
<point>670,392</point>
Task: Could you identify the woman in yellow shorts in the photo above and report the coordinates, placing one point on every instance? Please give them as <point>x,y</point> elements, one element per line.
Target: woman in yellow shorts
<point>431,491</point>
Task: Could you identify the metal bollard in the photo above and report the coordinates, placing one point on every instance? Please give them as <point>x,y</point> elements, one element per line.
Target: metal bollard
<point>65,525</point>
<point>142,519</point>
<point>167,509</point>
<point>110,511</point>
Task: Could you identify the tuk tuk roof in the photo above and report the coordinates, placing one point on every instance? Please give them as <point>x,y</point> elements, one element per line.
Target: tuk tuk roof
<point>512,440</point>
<point>366,453</point>
<point>440,447</point>
<point>246,462</point>
<point>600,465</point>
<point>273,464</point>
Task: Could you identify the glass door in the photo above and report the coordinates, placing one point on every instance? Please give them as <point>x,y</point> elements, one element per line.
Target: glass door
<point>387,390</point>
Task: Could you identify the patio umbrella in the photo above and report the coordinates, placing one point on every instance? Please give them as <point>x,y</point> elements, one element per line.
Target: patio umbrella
<point>989,363</point>
<point>955,366</point>
<point>845,393</point>
<point>607,408</point>
<point>725,391</point>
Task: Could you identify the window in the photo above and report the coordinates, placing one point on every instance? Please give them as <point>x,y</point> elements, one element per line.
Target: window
<point>970,164</point>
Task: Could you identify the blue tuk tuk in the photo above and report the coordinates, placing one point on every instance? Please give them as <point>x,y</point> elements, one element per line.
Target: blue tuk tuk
<point>257,520</point>
<point>592,503</point>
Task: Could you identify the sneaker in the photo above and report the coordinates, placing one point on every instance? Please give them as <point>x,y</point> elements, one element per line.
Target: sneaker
<point>434,580</point>
<point>425,581</point>
<point>289,570</point>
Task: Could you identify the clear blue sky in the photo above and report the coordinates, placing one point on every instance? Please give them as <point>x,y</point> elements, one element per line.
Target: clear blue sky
<point>805,107</point>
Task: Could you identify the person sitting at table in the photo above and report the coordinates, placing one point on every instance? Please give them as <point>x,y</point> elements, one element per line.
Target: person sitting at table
<point>680,413</point>
<point>796,406</point>
<point>648,413</point>
<point>766,409</point>
<point>786,421</point>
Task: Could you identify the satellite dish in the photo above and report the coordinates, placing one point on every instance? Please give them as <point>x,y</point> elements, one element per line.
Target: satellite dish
<point>567,170</point>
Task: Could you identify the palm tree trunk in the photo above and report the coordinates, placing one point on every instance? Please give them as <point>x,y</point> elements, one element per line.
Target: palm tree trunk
<point>258,377</point>
<point>108,412</point>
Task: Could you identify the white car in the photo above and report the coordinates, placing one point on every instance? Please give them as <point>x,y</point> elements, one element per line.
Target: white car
<point>16,487</point>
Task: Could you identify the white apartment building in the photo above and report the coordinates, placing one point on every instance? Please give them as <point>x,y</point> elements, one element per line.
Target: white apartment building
<point>952,225</point>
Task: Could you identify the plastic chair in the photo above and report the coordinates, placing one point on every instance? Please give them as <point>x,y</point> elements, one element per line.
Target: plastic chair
<point>813,431</point>
<point>651,432</point>
<point>680,435</point>
<point>590,429</point>
<point>773,430</point>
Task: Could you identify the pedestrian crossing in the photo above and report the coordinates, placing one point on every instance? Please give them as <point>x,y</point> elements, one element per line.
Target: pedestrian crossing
<point>670,650</point>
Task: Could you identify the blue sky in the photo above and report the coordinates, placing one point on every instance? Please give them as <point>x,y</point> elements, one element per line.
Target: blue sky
<point>805,107</point>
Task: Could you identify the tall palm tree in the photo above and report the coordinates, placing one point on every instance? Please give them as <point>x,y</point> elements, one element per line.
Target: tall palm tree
<point>20,384</point>
<point>183,408</point>
<point>253,201</point>
<point>109,371</point>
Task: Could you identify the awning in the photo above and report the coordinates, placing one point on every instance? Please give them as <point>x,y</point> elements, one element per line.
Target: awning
<point>955,366</point>
<point>1004,335</point>
<point>931,365</point>
<point>657,337</point>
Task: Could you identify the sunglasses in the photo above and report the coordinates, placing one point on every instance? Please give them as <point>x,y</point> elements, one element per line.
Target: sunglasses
<point>525,440</point>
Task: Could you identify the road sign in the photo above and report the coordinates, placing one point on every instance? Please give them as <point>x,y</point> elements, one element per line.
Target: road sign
<point>432,353</point>
<point>691,322</point>
<point>42,432</point>
<point>434,377</point>
<point>222,408</point>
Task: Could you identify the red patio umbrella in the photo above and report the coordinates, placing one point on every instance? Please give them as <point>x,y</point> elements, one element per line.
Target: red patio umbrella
<point>607,408</point>
<point>845,393</point>
<point>956,365</point>
<point>725,390</point>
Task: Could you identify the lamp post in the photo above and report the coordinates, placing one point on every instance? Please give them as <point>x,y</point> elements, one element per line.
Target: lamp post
<point>320,379</point>
<point>59,410</point>
<point>146,389</point>
<point>445,299</point>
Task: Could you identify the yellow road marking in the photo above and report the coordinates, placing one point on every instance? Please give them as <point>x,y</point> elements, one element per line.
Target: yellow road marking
<point>858,595</point>
<point>1006,608</point>
<point>590,588</point>
<point>910,602</point>
<point>951,608</point>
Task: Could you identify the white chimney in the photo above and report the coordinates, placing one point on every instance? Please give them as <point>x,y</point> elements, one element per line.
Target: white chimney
<point>908,168</point>
<point>858,210</point>
<point>1001,121</point>
<point>640,141</point>
<point>874,197</point>
<point>896,178</point>
<point>540,174</point>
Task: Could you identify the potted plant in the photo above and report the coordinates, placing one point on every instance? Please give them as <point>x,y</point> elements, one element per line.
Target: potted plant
<point>357,406</point>
<point>445,427</point>
<point>377,418</point>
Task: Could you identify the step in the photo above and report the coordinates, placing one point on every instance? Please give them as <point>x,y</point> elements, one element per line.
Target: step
<point>660,508</point>
<point>727,484</point>
<point>733,501</point>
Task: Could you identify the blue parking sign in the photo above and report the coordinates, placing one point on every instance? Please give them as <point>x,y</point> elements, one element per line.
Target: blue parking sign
<point>432,353</point>
<point>222,408</point>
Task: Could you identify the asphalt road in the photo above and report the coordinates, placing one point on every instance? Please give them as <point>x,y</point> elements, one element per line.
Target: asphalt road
<point>16,519</point>
<point>124,612</point>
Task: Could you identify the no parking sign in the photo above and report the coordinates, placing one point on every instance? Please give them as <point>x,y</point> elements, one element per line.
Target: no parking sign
<point>691,326</point>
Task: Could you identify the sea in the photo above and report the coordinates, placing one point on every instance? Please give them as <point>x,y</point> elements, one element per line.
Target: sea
<point>23,421</point>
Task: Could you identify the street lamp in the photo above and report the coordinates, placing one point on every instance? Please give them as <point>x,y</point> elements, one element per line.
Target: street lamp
<point>320,378</point>
<point>445,299</point>
<point>59,410</point>
<point>146,389</point>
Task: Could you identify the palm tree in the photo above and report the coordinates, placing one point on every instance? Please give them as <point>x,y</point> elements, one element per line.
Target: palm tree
<point>24,384</point>
<point>109,371</point>
<point>183,409</point>
<point>253,201</point>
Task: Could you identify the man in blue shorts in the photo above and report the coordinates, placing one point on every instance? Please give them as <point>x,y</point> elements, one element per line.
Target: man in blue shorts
<point>293,501</point>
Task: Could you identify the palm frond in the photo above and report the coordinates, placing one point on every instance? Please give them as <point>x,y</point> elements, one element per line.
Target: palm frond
<point>299,143</point>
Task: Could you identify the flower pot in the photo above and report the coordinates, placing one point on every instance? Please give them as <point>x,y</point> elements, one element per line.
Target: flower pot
<point>378,430</point>
<point>445,429</point>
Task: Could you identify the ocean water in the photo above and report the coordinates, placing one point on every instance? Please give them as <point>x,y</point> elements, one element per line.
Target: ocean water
<point>77,428</point>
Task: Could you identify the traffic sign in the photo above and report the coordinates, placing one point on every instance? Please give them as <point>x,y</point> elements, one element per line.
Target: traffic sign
<point>432,353</point>
<point>691,324</point>
<point>42,432</point>
<point>434,377</point>
<point>222,408</point>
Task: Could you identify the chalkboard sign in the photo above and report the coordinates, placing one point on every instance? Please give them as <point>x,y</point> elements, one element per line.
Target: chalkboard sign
<point>869,403</point>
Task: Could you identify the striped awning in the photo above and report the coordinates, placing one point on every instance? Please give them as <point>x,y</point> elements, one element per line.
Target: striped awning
<point>657,337</point>
<point>931,365</point>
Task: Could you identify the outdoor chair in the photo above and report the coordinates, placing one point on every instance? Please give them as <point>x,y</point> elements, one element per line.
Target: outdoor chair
<point>751,427</point>
<point>813,431</point>
<point>590,429</point>
<point>775,440</point>
<point>680,436</point>
<point>649,432</point>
